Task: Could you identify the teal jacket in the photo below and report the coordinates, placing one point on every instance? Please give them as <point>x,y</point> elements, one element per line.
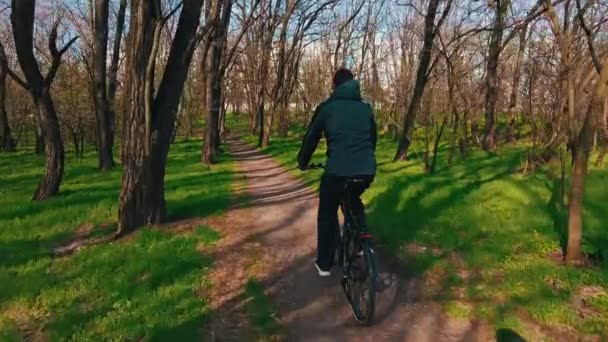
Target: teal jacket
<point>350,131</point>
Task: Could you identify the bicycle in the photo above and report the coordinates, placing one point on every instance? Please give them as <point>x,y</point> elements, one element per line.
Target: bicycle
<point>356,258</point>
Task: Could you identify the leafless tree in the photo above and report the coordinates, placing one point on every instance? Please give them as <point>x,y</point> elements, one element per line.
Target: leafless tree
<point>150,119</point>
<point>105,122</point>
<point>580,127</point>
<point>22,20</point>
<point>430,32</point>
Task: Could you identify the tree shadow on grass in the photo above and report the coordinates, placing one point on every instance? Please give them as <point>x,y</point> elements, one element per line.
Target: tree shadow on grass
<point>508,335</point>
<point>191,330</point>
<point>67,199</point>
<point>399,217</point>
<point>22,251</point>
<point>260,309</point>
<point>138,288</point>
<point>508,235</point>
<point>595,234</point>
<point>198,195</point>
<point>559,214</point>
<point>595,238</point>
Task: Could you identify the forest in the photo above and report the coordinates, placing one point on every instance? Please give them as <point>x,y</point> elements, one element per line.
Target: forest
<point>143,143</point>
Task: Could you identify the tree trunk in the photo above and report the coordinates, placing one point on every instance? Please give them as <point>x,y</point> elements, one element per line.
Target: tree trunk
<point>454,140</point>
<point>603,128</point>
<point>438,136</point>
<point>278,91</point>
<point>113,71</point>
<point>427,150</point>
<point>215,76</point>
<point>284,121</point>
<point>222,129</point>
<point>142,196</point>
<point>252,111</point>
<point>453,110</point>
<point>40,145</point>
<point>515,85</point>
<point>204,86</point>
<point>581,148</point>
<point>7,143</point>
<point>141,201</point>
<point>580,155</point>
<point>75,141</point>
<point>265,49</point>
<point>102,109</point>
<point>55,152</point>
<point>465,136</point>
<point>267,131</point>
<point>214,92</point>
<point>22,20</point>
<point>421,80</point>
<point>489,138</point>
<point>260,117</point>
<point>602,154</point>
<point>283,128</point>
<point>260,110</point>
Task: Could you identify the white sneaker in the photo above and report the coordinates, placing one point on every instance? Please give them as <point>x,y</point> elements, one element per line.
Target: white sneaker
<point>321,272</point>
<point>361,252</point>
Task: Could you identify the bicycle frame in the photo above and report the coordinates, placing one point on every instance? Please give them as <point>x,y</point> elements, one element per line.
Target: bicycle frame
<point>351,230</point>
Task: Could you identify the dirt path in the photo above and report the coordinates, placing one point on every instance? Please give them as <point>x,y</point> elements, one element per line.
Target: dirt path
<point>272,235</point>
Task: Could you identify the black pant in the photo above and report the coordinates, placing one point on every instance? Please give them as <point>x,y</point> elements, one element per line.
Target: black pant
<point>331,193</point>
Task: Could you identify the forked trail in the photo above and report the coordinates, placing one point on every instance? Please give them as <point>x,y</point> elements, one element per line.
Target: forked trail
<point>271,235</point>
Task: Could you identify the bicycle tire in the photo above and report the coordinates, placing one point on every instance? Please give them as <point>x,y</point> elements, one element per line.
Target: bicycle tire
<point>346,252</point>
<point>360,284</point>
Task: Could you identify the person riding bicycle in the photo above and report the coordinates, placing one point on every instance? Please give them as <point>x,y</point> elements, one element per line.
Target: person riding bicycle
<point>350,130</point>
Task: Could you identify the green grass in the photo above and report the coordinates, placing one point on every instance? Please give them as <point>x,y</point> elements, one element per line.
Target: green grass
<point>145,286</point>
<point>492,231</point>
<point>260,311</point>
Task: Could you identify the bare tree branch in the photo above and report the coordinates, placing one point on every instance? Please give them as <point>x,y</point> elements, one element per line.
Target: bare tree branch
<point>588,34</point>
<point>18,79</point>
<point>534,13</point>
<point>4,66</point>
<point>245,26</point>
<point>444,15</point>
<point>172,13</point>
<point>56,55</point>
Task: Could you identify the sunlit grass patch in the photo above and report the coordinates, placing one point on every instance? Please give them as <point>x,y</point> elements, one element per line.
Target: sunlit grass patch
<point>147,286</point>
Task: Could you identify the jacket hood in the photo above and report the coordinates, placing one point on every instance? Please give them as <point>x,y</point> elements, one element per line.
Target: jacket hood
<point>348,90</point>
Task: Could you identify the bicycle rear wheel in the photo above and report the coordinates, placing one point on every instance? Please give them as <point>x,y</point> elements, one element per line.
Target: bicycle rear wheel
<point>360,282</point>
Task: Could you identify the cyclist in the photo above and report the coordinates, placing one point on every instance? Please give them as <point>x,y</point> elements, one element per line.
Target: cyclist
<point>350,130</point>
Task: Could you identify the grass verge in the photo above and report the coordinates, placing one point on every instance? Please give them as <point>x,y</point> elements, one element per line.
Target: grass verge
<point>260,311</point>
<point>147,286</point>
